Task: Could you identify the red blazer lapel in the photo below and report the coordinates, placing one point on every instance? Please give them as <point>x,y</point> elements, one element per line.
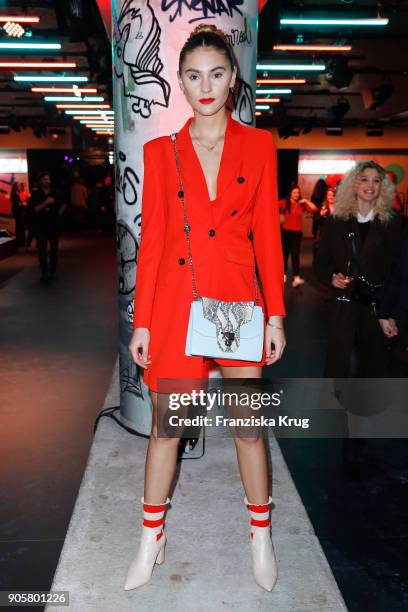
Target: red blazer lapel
<point>191,170</point>
<point>231,155</point>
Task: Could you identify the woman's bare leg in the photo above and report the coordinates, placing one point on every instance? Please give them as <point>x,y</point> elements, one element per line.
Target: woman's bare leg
<point>251,451</point>
<point>161,460</point>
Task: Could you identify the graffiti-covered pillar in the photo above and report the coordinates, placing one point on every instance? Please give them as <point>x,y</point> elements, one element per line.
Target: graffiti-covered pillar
<point>147,38</point>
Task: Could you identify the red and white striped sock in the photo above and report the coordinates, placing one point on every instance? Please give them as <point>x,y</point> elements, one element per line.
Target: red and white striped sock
<point>153,516</point>
<point>259,514</point>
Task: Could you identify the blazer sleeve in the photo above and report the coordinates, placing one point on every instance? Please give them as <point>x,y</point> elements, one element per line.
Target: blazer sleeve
<point>152,237</point>
<point>266,233</point>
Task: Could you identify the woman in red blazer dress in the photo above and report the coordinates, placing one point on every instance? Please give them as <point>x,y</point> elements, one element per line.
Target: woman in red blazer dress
<point>229,176</point>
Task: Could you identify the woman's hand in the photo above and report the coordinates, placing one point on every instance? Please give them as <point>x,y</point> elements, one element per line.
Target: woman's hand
<point>139,346</point>
<point>340,281</point>
<point>275,341</point>
<point>389,327</point>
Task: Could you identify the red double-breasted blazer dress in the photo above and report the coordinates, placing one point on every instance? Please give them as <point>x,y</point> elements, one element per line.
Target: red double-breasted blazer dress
<point>223,256</point>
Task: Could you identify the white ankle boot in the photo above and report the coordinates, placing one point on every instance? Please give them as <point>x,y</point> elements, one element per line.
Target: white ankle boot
<point>263,555</point>
<point>297,281</point>
<point>151,548</point>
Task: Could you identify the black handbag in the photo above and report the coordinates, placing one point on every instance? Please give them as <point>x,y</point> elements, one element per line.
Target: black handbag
<point>360,289</point>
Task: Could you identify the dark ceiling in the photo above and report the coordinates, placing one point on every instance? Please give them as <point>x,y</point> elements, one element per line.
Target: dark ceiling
<point>377,65</point>
<point>376,68</point>
<point>77,25</point>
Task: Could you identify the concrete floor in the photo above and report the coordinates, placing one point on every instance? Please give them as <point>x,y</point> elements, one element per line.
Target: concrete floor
<point>58,348</point>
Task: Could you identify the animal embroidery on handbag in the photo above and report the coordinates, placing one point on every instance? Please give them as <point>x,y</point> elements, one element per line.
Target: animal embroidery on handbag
<point>227,317</point>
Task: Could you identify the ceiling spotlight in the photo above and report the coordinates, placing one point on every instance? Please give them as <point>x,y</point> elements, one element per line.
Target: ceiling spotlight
<point>57,131</point>
<point>336,113</point>
<point>374,128</point>
<point>15,123</point>
<point>37,130</point>
<point>288,129</point>
<point>309,124</point>
<point>338,73</point>
<point>334,131</point>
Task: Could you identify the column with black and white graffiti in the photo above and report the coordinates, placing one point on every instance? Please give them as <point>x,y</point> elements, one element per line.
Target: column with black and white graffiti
<point>147,38</point>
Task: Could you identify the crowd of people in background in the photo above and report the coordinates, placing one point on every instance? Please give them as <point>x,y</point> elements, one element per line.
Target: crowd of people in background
<point>41,213</point>
<point>86,207</point>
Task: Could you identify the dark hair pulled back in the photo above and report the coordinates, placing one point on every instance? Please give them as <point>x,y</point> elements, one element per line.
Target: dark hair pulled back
<point>207,35</point>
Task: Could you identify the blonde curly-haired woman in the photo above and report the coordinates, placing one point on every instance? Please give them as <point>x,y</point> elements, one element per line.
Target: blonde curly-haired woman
<point>354,256</point>
<point>355,251</point>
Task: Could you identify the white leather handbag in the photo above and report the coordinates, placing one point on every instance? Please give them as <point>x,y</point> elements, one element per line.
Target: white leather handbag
<point>227,330</point>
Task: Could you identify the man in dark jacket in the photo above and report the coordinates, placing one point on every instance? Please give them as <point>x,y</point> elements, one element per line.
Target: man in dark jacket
<point>46,207</point>
<point>393,311</point>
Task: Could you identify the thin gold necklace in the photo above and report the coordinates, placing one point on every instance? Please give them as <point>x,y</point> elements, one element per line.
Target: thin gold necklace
<point>205,146</point>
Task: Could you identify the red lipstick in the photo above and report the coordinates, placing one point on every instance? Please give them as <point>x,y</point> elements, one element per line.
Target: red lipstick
<point>206,100</point>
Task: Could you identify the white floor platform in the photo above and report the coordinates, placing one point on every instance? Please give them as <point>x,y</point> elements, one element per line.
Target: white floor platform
<point>207,566</point>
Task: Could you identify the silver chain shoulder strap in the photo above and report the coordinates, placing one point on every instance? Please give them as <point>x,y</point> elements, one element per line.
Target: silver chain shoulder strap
<point>187,227</point>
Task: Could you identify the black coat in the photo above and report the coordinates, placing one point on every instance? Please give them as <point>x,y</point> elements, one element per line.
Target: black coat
<point>352,324</point>
<point>48,218</point>
<point>395,295</point>
<point>374,255</point>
